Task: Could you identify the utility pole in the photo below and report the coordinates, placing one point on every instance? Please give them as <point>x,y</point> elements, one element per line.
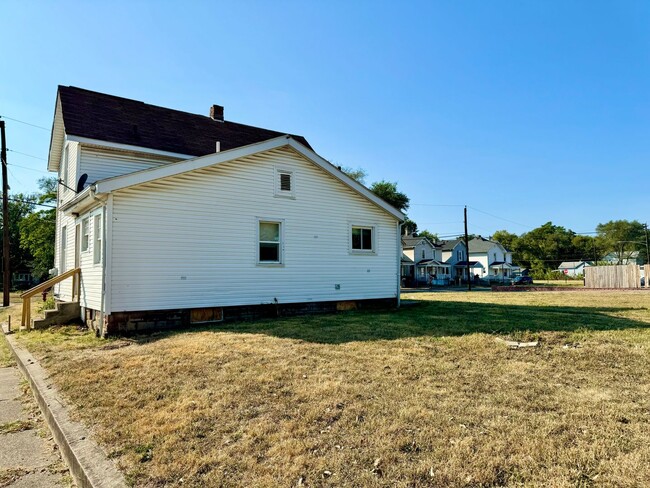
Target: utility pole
<point>647,247</point>
<point>6,277</point>
<point>469,279</point>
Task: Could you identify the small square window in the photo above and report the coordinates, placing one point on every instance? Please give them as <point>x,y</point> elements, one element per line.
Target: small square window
<point>362,239</point>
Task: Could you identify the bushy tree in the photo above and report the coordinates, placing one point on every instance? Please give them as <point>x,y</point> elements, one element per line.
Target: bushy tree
<point>622,237</point>
<point>37,230</point>
<point>429,235</point>
<point>388,192</point>
<point>358,174</point>
<point>506,239</point>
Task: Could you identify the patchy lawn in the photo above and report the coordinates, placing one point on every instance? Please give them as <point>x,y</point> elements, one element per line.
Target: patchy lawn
<point>425,396</point>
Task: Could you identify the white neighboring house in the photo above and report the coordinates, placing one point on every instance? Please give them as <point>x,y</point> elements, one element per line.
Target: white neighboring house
<point>495,259</point>
<point>187,219</point>
<point>425,261</point>
<point>574,268</point>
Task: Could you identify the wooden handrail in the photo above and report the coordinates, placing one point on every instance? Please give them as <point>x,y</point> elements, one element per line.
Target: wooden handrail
<point>26,296</point>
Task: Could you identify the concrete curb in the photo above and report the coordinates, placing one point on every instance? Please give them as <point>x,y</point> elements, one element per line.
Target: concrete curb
<point>87,462</point>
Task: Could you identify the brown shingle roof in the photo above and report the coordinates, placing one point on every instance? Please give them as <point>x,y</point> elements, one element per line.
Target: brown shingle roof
<point>121,120</point>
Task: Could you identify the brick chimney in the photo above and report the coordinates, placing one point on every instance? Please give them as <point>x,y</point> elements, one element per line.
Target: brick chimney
<point>216,113</point>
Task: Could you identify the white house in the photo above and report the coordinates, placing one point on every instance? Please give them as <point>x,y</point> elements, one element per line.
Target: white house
<point>425,262</point>
<point>495,259</point>
<point>184,218</point>
<point>574,268</point>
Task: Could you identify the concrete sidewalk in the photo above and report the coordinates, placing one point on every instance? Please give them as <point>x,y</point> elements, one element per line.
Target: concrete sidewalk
<point>27,459</point>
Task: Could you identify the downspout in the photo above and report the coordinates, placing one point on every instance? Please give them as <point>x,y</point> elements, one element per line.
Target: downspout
<point>102,304</point>
<point>399,262</point>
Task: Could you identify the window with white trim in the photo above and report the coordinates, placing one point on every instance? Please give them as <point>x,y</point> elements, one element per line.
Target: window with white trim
<point>97,239</point>
<point>284,183</point>
<point>363,239</point>
<point>269,242</point>
<point>85,238</point>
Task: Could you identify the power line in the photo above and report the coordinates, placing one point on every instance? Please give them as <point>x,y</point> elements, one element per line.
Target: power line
<point>23,122</point>
<point>501,218</point>
<point>30,202</point>
<point>27,167</point>
<point>25,154</point>
<point>434,205</point>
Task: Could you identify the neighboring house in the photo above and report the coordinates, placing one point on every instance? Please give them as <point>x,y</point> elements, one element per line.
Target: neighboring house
<point>495,259</point>
<point>454,253</point>
<point>574,268</point>
<point>22,278</point>
<point>185,218</point>
<point>427,262</point>
<point>632,257</point>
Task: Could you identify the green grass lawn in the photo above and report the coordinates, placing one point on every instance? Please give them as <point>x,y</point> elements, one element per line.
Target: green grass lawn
<point>423,396</point>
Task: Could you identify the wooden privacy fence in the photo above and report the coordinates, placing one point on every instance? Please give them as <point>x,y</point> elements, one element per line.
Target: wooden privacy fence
<point>620,276</point>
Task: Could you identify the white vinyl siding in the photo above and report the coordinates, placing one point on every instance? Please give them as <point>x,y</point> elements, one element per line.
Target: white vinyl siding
<point>99,164</point>
<point>68,172</point>
<point>190,240</point>
<point>91,275</point>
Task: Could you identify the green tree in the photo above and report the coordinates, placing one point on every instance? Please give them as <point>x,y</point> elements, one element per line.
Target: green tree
<point>429,235</point>
<point>37,230</point>
<point>388,192</point>
<point>409,227</point>
<point>506,239</point>
<point>622,237</point>
<point>358,174</point>
<point>545,247</point>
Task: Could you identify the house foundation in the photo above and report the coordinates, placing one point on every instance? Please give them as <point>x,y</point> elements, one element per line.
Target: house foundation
<point>125,323</point>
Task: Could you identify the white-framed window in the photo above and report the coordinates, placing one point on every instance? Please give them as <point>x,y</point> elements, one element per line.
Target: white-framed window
<point>362,239</point>
<point>423,254</point>
<point>459,255</point>
<point>270,241</point>
<point>97,239</point>
<point>64,168</point>
<point>284,183</point>
<point>85,238</point>
<point>64,248</point>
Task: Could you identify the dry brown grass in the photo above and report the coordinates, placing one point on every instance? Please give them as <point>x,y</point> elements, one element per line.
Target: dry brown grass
<point>422,397</point>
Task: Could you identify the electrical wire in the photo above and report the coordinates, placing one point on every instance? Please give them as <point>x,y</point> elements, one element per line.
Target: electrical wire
<point>23,122</point>
<point>25,154</point>
<point>27,167</point>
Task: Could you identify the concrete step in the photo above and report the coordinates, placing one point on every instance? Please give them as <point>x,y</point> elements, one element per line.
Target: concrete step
<point>65,313</point>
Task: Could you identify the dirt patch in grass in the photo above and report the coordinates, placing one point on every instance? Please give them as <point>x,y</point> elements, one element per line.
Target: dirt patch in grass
<point>421,397</point>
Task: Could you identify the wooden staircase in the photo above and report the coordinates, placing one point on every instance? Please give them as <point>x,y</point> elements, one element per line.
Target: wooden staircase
<point>64,311</point>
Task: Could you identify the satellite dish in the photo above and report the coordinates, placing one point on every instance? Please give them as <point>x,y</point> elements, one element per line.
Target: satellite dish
<point>81,182</point>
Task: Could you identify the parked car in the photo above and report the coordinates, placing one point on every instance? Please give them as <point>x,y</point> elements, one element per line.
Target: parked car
<point>522,280</point>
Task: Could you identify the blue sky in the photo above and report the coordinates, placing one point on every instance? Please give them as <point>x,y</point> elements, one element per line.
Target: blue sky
<point>527,112</point>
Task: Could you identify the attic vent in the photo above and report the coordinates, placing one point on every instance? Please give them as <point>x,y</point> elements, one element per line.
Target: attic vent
<point>284,183</point>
